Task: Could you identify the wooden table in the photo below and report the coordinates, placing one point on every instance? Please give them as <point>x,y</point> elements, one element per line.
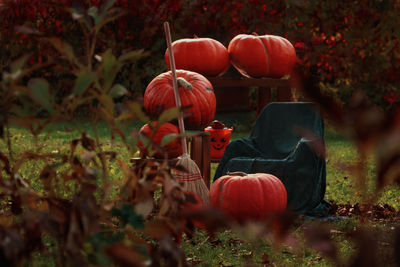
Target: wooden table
<point>264,88</point>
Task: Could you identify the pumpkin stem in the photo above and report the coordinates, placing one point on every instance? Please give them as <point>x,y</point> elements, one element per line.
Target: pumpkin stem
<point>255,34</point>
<point>185,84</point>
<point>237,173</point>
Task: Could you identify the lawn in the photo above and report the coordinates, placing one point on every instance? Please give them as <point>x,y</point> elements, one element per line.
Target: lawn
<point>237,247</point>
<point>229,249</point>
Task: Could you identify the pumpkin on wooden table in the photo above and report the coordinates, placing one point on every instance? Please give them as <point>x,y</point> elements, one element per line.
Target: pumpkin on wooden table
<point>260,56</point>
<point>245,197</point>
<point>196,93</point>
<point>156,133</point>
<point>202,55</point>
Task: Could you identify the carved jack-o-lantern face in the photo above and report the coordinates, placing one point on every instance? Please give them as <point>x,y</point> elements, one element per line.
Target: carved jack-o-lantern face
<point>218,143</point>
<point>219,139</point>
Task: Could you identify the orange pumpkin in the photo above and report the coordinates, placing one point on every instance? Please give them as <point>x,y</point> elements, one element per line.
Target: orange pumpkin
<point>156,134</point>
<point>262,56</point>
<point>195,90</point>
<point>248,196</point>
<point>202,55</point>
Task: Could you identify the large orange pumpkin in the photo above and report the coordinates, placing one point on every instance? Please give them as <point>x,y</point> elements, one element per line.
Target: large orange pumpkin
<point>194,90</point>
<point>156,134</point>
<point>202,55</point>
<point>248,196</point>
<point>262,56</point>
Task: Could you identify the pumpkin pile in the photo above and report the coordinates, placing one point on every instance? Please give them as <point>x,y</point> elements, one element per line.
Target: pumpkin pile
<point>241,196</point>
<point>252,55</point>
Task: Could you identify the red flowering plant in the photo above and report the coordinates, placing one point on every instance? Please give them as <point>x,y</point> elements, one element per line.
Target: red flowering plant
<point>391,98</point>
<point>347,45</point>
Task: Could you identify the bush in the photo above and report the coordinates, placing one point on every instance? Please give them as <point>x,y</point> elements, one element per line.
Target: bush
<point>72,208</point>
<point>348,46</point>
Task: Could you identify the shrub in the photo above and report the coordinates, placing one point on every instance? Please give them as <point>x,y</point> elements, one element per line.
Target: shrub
<point>347,45</point>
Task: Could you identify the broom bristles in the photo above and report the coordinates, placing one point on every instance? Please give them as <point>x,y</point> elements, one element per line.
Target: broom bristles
<point>191,180</point>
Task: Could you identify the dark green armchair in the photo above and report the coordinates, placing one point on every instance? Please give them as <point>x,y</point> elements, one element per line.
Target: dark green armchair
<point>276,146</point>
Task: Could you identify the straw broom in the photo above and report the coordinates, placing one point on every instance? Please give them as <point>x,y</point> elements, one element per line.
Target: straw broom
<point>191,179</point>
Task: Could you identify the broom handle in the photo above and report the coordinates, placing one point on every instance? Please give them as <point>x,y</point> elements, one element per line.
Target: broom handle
<point>175,85</point>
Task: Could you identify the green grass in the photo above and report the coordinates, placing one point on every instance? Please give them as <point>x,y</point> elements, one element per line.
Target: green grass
<point>229,248</point>
<point>342,184</point>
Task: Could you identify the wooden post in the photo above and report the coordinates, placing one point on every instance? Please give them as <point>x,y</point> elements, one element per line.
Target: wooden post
<point>284,94</point>
<point>206,168</point>
<point>263,98</point>
<point>196,150</point>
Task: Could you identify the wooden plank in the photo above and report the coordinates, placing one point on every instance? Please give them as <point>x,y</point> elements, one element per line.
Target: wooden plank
<point>264,87</point>
<point>247,82</point>
<point>171,162</point>
<point>196,151</point>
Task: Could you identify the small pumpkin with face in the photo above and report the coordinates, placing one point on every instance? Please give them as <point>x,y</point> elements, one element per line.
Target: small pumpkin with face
<point>220,136</point>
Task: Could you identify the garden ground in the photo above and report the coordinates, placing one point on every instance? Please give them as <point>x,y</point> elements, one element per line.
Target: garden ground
<point>233,248</point>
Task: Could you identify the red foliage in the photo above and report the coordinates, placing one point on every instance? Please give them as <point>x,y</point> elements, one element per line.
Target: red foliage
<point>346,41</point>
<point>391,98</point>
